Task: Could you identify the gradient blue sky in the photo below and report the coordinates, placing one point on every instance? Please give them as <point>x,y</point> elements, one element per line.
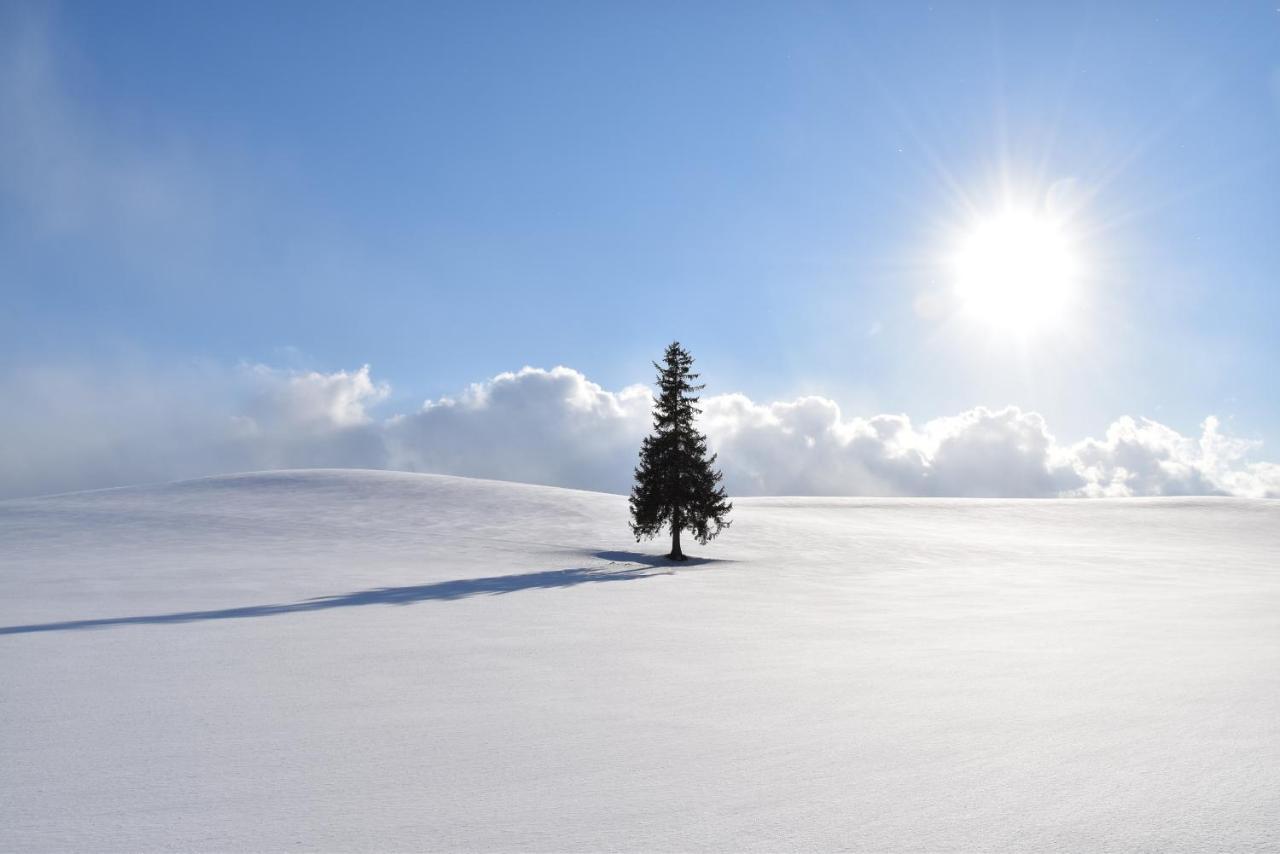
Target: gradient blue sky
<point>446,191</point>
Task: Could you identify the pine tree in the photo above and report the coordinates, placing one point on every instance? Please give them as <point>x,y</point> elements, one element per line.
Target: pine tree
<point>676,484</point>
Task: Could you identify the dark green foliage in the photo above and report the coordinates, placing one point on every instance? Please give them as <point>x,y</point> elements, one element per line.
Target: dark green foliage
<point>676,484</point>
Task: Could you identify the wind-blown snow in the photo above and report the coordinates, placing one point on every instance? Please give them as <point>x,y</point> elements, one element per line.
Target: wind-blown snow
<point>331,660</point>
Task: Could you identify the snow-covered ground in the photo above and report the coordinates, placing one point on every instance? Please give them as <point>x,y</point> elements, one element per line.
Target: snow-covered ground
<point>333,660</point>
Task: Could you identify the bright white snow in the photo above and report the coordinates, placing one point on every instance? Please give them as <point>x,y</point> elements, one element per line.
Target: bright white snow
<point>330,660</point>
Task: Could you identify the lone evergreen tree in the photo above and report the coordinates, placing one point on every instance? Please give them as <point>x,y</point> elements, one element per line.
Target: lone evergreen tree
<point>675,482</point>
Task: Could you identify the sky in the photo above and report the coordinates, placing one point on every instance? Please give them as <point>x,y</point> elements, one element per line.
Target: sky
<point>269,234</point>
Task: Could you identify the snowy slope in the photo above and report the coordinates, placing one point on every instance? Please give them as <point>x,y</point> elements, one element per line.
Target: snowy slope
<point>330,660</point>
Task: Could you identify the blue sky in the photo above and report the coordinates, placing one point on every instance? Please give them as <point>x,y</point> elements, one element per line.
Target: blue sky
<point>445,192</point>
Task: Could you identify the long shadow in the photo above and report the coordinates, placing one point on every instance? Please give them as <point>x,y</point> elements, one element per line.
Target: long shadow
<point>441,591</point>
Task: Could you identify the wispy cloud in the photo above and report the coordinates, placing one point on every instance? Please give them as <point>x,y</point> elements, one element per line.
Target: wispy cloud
<point>75,175</point>
<point>137,199</point>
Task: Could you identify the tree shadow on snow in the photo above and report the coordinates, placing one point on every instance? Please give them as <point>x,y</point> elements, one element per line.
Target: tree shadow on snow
<point>654,560</point>
<point>440,591</point>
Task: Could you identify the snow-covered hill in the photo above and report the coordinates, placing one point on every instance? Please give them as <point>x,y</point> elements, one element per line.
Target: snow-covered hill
<point>336,660</point>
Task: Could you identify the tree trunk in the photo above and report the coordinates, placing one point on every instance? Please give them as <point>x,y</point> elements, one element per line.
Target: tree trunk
<point>676,554</point>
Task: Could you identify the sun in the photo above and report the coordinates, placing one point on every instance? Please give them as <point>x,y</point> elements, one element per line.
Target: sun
<point>1016,271</point>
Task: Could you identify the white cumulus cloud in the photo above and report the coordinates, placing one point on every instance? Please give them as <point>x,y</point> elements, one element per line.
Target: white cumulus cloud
<point>1143,457</point>
<point>64,429</point>
<point>554,427</point>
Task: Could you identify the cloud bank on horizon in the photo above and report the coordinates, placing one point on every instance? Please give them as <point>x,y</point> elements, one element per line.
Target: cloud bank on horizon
<point>65,430</point>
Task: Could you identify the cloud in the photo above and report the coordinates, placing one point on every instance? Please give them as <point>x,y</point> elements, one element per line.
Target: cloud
<point>554,427</point>
<point>65,429</point>
<point>311,401</point>
<point>74,172</point>
<point>85,427</point>
<point>147,202</point>
<point>1143,457</point>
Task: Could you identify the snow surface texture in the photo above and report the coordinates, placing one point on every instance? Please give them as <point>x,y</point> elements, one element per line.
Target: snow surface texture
<point>329,660</point>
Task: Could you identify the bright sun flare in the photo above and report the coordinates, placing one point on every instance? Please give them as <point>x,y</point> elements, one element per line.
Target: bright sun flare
<point>1016,271</point>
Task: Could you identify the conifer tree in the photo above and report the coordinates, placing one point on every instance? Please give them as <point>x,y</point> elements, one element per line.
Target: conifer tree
<point>676,484</point>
